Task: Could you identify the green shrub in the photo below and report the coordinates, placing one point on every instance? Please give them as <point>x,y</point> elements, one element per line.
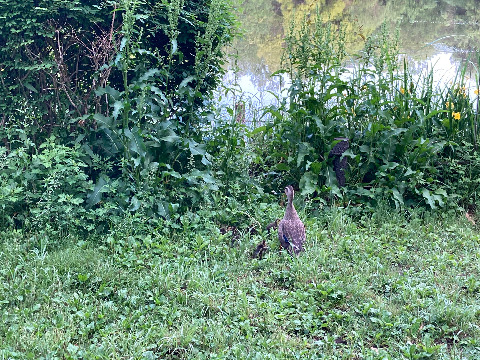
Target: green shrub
<point>55,54</point>
<point>402,131</point>
<point>129,82</point>
<point>460,174</point>
<point>44,188</point>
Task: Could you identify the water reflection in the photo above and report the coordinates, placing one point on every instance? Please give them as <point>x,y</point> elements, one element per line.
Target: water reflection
<point>439,34</point>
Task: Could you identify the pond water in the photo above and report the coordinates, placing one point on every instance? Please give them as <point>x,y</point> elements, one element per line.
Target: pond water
<point>438,34</point>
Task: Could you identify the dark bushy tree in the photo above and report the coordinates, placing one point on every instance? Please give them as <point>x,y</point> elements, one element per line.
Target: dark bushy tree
<point>54,54</point>
<point>126,82</point>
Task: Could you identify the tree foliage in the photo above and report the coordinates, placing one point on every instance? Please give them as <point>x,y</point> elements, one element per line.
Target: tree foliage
<point>54,55</point>
<point>128,82</point>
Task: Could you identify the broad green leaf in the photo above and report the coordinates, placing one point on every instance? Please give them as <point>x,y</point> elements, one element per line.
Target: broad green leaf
<point>115,94</point>
<point>196,148</point>
<point>117,108</point>
<point>330,177</point>
<point>258,130</point>
<point>206,177</point>
<point>398,198</point>
<point>303,150</point>
<point>123,43</point>
<point>96,195</point>
<point>429,198</point>
<point>30,87</point>
<point>104,121</point>
<point>317,166</point>
<point>170,138</point>
<point>158,92</point>
<point>388,166</point>
<point>172,173</point>
<point>114,139</point>
<point>134,204</point>
<point>349,153</point>
<point>320,124</point>
<point>438,199</point>
<point>409,171</point>
<point>206,159</point>
<point>364,149</point>
<point>165,209</point>
<point>162,209</point>
<point>150,73</point>
<point>308,183</point>
<point>436,112</point>
<point>440,195</point>
<point>174,46</point>
<point>281,167</point>
<point>277,114</point>
<point>185,81</point>
<point>136,143</point>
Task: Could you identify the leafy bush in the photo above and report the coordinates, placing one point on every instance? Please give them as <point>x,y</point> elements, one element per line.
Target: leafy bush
<point>460,175</point>
<point>129,82</point>
<point>154,129</point>
<point>401,130</point>
<point>43,189</point>
<point>54,55</point>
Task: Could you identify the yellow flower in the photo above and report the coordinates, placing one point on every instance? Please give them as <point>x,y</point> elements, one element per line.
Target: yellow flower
<point>476,92</point>
<point>456,115</point>
<point>402,90</point>
<point>449,105</point>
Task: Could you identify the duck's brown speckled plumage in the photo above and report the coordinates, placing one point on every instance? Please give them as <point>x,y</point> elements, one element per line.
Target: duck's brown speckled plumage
<point>291,231</point>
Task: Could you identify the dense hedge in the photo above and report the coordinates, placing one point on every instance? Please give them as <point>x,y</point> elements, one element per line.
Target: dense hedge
<point>54,54</point>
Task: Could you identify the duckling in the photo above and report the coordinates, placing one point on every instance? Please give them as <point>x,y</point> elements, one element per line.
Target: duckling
<point>272,225</point>
<point>260,250</point>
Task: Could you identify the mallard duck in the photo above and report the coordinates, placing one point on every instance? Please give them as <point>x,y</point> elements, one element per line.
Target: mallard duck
<point>291,231</point>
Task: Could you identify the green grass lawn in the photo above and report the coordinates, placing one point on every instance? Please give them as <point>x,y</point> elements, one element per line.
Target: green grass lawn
<point>379,288</point>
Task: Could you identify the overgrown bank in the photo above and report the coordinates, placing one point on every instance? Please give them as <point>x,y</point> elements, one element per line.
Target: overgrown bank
<point>148,139</point>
